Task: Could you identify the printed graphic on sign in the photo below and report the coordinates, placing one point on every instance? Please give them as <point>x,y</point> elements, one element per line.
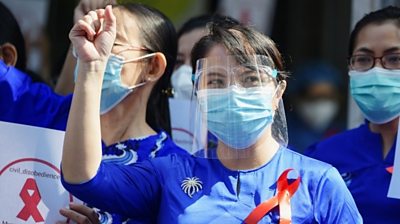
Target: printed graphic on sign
<point>30,187</point>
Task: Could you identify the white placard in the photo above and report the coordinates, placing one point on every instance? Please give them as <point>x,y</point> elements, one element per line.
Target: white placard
<point>30,186</point>
<point>394,187</point>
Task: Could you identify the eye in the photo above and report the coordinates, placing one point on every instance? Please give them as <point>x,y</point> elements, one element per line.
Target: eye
<point>362,59</point>
<point>252,77</point>
<point>215,81</point>
<point>392,60</point>
<point>211,80</point>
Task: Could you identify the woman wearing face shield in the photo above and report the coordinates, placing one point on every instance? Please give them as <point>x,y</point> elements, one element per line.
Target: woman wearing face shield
<point>249,177</point>
<point>133,106</point>
<point>365,155</point>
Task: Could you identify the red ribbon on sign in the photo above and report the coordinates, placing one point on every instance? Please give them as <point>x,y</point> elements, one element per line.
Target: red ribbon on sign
<point>389,169</point>
<point>31,201</point>
<point>282,198</point>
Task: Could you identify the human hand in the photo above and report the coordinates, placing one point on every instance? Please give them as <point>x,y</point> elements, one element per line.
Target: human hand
<point>85,6</point>
<point>80,214</point>
<point>93,36</point>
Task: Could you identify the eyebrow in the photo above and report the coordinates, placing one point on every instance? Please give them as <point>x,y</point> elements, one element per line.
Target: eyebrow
<point>366,50</point>
<point>391,49</point>
<point>216,73</point>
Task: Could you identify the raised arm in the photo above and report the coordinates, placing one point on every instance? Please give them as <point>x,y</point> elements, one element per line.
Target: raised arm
<point>92,37</point>
<point>65,82</point>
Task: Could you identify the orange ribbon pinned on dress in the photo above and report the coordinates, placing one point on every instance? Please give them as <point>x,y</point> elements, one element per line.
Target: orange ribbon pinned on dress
<point>282,198</point>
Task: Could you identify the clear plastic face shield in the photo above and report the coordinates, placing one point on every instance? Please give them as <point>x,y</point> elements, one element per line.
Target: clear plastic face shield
<point>239,106</point>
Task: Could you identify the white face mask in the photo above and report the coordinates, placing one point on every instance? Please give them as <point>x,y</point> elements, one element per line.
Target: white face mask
<point>318,114</point>
<point>181,81</point>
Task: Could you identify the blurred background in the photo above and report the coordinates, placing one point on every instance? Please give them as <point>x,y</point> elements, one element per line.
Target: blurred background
<point>311,34</point>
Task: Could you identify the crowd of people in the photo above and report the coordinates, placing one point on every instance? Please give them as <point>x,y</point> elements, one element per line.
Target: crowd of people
<point>127,60</point>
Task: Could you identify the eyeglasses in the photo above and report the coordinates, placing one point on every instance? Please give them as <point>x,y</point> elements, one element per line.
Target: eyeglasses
<point>366,62</point>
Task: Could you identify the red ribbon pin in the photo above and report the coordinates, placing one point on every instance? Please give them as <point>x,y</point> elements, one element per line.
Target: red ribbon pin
<point>282,198</point>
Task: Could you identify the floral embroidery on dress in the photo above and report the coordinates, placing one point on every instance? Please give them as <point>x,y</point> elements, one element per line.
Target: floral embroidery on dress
<point>191,185</point>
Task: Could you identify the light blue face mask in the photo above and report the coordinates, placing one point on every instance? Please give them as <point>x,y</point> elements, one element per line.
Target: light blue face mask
<point>237,116</point>
<point>113,91</point>
<point>377,93</point>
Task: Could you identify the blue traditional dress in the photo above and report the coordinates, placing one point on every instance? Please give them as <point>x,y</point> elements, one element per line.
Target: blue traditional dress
<point>357,154</point>
<point>25,102</point>
<point>188,189</point>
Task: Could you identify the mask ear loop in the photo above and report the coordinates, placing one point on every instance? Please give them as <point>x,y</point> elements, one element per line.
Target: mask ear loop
<point>137,59</point>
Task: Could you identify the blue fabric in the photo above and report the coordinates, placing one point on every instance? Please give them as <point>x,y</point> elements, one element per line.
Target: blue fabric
<point>153,189</point>
<point>357,154</point>
<point>128,153</point>
<point>24,102</point>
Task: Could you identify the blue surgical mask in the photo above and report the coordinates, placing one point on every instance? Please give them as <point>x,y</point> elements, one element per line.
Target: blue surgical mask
<point>237,116</point>
<point>377,93</point>
<point>113,91</point>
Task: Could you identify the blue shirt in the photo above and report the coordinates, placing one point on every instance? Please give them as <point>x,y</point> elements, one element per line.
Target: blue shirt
<point>25,102</point>
<point>128,153</point>
<point>357,154</point>
<point>156,188</point>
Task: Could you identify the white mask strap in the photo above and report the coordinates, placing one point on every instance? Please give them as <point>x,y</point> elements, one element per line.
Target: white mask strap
<point>137,85</point>
<point>139,58</point>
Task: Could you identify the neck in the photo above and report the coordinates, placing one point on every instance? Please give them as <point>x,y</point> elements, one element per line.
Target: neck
<point>388,132</point>
<point>251,158</point>
<point>126,120</point>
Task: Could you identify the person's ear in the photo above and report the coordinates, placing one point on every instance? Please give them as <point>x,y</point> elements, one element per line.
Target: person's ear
<point>9,54</point>
<point>157,67</point>
<point>280,89</point>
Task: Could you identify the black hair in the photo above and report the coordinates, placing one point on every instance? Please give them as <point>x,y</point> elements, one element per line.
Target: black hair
<point>11,33</point>
<point>158,34</point>
<point>239,40</point>
<point>387,14</point>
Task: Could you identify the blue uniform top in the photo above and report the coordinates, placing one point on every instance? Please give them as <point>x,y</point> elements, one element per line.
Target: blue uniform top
<point>131,151</point>
<point>159,188</point>
<point>357,154</point>
<point>25,102</point>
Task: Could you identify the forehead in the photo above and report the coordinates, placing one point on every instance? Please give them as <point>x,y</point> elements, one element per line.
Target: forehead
<point>378,38</point>
<point>127,27</point>
<point>217,51</point>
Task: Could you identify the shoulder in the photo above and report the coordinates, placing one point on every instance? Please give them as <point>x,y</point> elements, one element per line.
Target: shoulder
<point>167,146</point>
<point>172,164</point>
<point>311,171</point>
<point>303,162</point>
<point>343,150</point>
<point>345,143</point>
